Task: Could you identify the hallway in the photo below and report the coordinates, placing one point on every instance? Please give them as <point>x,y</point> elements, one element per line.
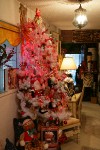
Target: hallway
<point>90,129</point>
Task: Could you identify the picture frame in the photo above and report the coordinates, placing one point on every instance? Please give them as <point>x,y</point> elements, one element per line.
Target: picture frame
<point>12,78</point>
<point>50,135</point>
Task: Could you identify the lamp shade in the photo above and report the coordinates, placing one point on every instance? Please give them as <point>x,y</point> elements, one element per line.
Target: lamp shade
<point>68,63</point>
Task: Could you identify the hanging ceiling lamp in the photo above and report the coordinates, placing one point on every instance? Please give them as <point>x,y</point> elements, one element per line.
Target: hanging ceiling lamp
<point>80,19</point>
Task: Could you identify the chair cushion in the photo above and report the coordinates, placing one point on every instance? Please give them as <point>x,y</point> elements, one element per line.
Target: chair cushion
<point>71,121</point>
<point>76,96</point>
<point>18,129</point>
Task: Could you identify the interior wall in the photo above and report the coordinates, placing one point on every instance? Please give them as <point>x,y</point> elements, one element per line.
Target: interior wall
<point>8,110</point>
<point>9,11</point>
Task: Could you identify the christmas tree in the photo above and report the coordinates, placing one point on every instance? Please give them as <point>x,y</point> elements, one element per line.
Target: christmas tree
<point>40,92</point>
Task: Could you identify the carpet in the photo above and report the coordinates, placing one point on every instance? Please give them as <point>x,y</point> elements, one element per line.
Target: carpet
<point>88,148</point>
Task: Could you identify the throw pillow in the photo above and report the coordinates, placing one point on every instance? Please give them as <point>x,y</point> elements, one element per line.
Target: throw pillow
<point>9,145</point>
<point>76,96</point>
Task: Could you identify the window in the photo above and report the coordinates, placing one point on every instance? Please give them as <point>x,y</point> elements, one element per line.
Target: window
<point>9,39</point>
<point>13,62</point>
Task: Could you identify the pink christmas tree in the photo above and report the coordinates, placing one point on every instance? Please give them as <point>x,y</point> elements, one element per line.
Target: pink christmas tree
<point>41,92</point>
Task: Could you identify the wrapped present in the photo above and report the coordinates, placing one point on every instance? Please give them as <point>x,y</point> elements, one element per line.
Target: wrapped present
<point>30,146</point>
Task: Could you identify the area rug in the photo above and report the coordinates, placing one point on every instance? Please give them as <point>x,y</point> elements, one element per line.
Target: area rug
<point>88,148</point>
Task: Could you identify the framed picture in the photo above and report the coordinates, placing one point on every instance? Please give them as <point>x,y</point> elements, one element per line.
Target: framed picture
<point>50,136</point>
<point>12,78</point>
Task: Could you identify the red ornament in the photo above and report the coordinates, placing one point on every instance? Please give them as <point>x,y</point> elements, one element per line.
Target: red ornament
<point>64,122</point>
<point>51,118</point>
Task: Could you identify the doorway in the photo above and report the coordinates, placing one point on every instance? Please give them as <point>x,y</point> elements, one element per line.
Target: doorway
<point>78,59</point>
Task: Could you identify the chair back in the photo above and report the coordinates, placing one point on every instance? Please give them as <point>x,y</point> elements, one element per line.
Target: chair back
<point>81,98</point>
<point>80,104</point>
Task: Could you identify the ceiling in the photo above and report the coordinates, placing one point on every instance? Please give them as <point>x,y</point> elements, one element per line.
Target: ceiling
<point>61,12</point>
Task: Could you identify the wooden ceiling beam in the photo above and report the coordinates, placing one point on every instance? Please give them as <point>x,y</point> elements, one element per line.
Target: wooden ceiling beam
<point>80,36</point>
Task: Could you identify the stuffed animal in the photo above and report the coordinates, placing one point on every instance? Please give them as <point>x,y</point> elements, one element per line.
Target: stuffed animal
<point>30,134</point>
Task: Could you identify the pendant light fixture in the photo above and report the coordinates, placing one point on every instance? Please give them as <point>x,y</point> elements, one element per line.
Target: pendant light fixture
<point>80,18</point>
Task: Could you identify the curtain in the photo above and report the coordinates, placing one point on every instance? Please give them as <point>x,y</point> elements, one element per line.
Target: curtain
<point>10,33</point>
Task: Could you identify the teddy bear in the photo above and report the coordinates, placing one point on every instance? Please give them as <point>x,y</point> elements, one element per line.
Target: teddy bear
<point>30,134</point>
